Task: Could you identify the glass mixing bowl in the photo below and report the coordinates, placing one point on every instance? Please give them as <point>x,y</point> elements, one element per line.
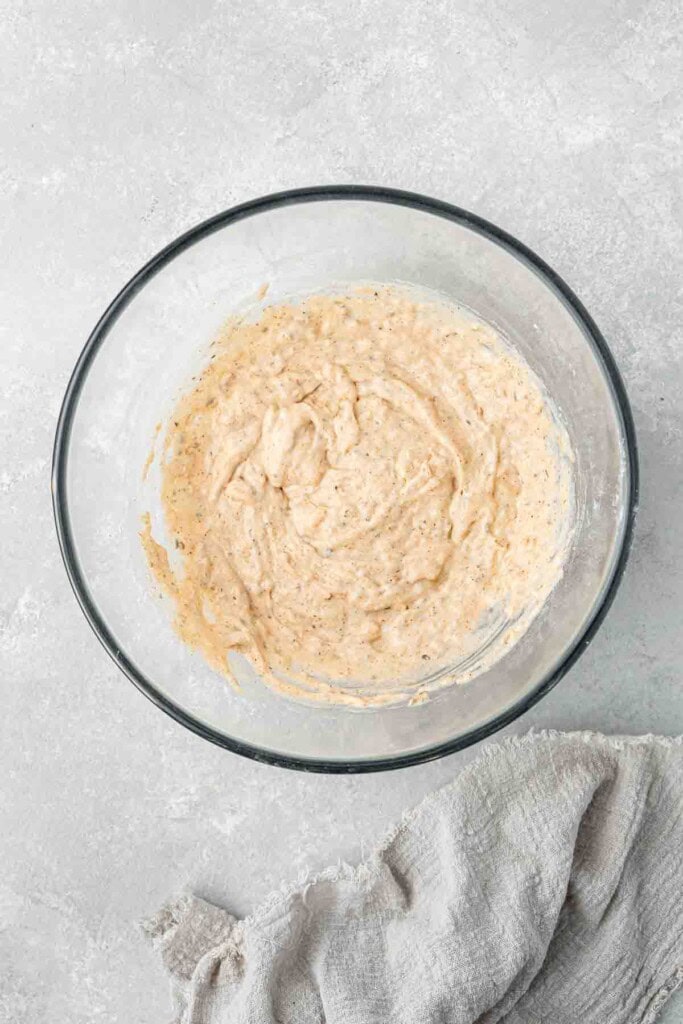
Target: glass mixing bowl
<point>155,334</point>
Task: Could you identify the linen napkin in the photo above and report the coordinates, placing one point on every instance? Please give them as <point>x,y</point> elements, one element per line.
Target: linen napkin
<point>543,886</point>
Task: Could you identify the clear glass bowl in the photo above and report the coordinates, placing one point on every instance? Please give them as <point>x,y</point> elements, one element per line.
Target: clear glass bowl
<point>155,334</point>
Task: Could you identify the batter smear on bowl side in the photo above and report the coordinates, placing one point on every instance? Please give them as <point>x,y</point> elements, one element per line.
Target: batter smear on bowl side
<point>363,488</point>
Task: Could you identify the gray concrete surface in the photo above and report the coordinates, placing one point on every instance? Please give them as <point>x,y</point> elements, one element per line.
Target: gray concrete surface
<point>123,124</point>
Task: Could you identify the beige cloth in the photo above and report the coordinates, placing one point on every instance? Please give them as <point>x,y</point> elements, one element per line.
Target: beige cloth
<point>543,886</point>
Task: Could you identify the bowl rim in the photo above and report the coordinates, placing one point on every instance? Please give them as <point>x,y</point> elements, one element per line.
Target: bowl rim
<point>362,193</point>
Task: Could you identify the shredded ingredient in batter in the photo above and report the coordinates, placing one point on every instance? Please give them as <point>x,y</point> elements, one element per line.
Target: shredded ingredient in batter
<point>363,488</point>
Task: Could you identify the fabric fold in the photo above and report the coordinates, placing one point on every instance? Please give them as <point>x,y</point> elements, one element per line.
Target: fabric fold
<point>544,884</point>
<point>188,928</point>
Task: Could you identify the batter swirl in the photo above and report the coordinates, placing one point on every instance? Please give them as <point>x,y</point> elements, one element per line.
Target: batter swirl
<point>362,488</point>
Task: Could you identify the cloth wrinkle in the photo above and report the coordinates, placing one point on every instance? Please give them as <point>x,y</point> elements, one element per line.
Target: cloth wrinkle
<point>543,884</point>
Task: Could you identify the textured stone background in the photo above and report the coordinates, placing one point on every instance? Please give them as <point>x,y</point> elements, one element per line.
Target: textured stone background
<point>123,124</point>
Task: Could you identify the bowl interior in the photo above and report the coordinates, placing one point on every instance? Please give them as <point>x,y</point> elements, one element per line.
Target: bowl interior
<point>156,337</point>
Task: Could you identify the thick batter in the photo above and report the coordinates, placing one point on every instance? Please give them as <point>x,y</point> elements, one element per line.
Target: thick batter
<point>363,488</point>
